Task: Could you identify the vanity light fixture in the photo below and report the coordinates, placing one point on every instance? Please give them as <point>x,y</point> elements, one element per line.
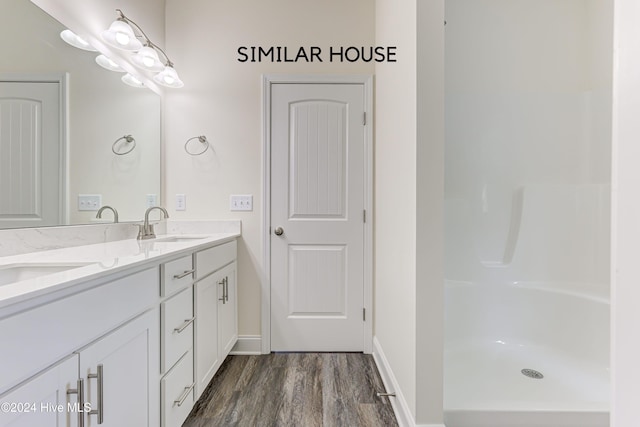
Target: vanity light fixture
<point>122,35</point>
<point>168,77</point>
<point>147,58</point>
<point>106,62</point>
<point>132,80</point>
<point>76,41</point>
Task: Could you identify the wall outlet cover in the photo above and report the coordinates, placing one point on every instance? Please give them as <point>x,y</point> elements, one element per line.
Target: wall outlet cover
<point>89,202</point>
<point>181,202</point>
<point>241,202</point>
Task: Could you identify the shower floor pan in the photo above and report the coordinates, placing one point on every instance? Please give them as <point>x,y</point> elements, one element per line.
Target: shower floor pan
<point>485,387</point>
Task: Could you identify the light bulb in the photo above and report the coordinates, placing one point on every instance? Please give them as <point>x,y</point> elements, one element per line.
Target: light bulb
<point>122,38</point>
<point>121,35</point>
<point>168,77</point>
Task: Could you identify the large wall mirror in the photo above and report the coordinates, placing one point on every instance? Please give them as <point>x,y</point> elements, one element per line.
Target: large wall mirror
<point>98,110</point>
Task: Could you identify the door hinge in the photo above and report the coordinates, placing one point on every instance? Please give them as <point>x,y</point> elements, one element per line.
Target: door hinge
<point>364,118</point>
<point>364,215</point>
<point>364,312</point>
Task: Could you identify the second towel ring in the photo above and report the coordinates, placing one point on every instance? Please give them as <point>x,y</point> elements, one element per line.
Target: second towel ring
<point>128,139</point>
<point>202,139</point>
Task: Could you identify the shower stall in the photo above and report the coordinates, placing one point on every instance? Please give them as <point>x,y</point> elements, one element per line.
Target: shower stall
<point>527,212</point>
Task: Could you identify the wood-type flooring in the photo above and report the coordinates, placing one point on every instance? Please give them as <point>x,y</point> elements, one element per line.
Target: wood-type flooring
<point>294,389</point>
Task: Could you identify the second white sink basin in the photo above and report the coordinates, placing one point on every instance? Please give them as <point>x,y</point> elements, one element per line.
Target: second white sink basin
<point>18,272</point>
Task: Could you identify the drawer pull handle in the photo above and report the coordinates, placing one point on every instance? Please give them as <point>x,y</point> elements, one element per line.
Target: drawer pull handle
<point>100,377</point>
<point>79,390</point>
<point>179,401</point>
<point>223,282</point>
<point>184,326</point>
<point>185,274</point>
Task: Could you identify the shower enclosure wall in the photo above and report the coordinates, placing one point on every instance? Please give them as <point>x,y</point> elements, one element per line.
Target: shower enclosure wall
<point>527,199</point>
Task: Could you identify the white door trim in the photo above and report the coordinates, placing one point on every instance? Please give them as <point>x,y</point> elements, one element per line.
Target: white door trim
<point>267,81</point>
<point>61,79</point>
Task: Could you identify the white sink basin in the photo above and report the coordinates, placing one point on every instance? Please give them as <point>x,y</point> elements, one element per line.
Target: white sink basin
<point>177,239</point>
<point>18,272</point>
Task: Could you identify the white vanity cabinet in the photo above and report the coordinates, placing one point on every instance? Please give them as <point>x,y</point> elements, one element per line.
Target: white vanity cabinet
<point>133,347</point>
<point>216,310</point>
<point>37,403</point>
<point>227,311</point>
<point>96,347</point>
<point>117,375</point>
<point>176,355</point>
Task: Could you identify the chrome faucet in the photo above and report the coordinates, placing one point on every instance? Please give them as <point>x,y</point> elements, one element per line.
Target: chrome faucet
<point>115,213</point>
<point>146,230</point>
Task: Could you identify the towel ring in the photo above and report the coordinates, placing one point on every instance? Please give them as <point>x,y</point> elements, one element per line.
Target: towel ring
<point>129,139</point>
<point>202,139</point>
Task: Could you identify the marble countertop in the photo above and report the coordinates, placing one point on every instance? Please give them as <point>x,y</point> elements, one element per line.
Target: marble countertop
<point>95,261</point>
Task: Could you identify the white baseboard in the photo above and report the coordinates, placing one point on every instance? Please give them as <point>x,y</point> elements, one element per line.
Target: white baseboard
<point>247,345</point>
<point>398,403</point>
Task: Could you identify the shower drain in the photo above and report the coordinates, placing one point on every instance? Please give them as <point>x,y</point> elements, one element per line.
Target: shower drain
<point>532,373</point>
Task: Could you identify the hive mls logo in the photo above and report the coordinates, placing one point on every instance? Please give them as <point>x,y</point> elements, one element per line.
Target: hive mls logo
<point>317,54</point>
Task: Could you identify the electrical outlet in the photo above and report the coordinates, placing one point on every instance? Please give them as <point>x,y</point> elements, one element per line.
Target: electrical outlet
<point>89,202</point>
<point>181,202</point>
<point>152,200</point>
<point>241,202</point>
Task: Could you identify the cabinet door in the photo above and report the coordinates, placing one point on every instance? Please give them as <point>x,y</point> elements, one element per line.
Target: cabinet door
<point>206,341</point>
<point>43,401</point>
<point>118,372</point>
<point>227,311</point>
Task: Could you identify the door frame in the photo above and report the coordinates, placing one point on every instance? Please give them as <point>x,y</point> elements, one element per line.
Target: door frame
<point>367,82</point>
<point>62,80</point>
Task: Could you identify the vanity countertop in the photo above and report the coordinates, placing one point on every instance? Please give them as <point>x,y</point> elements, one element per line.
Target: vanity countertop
<point>90,262</point>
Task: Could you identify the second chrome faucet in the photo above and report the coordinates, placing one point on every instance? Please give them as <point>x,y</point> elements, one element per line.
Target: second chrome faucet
<point>146,230</point>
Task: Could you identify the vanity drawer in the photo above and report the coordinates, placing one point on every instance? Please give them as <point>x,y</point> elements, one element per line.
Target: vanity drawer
<point>176,325</point>
<point>176,275</point>
<point>176,390</point>
<point>212,259</point>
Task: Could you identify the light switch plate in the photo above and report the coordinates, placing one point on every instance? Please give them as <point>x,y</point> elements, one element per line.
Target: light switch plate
<point>89,202</point>
<point>241,202</point>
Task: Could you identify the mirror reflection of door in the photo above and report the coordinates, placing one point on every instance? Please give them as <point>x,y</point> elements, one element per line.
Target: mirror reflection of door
<point>31,153</point>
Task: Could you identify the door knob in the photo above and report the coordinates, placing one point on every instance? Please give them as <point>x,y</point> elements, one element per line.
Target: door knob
<point>279,231</point>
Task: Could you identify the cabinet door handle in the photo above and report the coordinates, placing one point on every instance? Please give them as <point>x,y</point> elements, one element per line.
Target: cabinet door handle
<point>79,390</point>
<point>226,288</point>
<point>184,274</point>
<point>186,323</point>
<point>224,291</point>
<point>100,377</point>
<point>180,400</point>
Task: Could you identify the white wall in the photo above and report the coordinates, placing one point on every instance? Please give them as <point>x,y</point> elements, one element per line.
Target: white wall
<point>222,100</point>
<point>395,196</point>
<point>626,217</point>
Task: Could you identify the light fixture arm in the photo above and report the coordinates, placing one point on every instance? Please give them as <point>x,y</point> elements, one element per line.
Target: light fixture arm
<point>148,41</point>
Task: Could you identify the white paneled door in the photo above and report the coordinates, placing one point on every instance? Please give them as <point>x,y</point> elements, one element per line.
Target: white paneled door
<point>30,154</point>
<point>317,223</point>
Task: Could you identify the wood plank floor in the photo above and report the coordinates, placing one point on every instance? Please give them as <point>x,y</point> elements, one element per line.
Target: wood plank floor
<point>294,389</point>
